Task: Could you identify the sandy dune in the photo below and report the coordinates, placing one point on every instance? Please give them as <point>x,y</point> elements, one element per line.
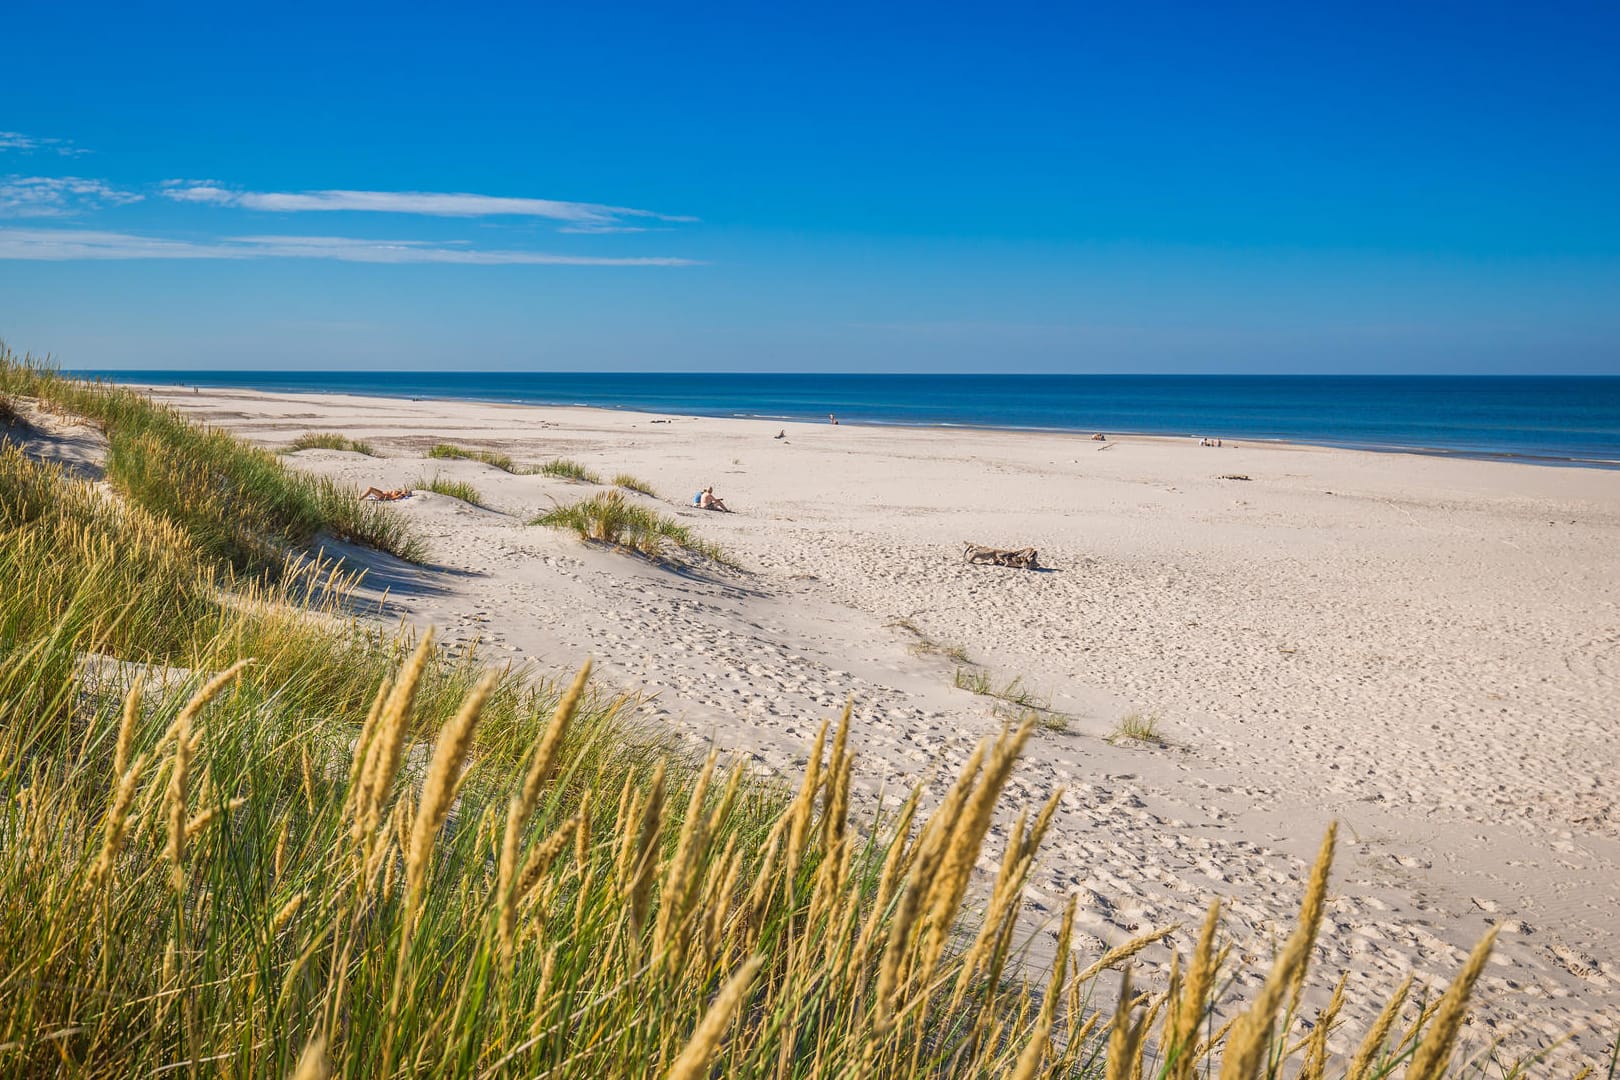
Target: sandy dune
<point>1426,649</point>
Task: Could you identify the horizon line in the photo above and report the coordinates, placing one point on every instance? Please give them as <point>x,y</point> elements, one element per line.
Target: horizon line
<point>867,373</point>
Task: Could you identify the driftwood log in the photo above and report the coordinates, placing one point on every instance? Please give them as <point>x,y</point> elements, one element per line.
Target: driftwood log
<point>1023,558</point>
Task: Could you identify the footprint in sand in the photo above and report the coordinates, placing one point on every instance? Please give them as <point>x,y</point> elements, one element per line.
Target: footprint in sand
<point>1577,963</point>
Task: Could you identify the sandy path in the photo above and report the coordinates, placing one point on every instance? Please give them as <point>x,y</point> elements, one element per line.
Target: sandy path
<point>1425,649</point>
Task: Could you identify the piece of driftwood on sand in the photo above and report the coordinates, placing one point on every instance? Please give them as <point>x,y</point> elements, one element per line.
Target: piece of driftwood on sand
<point>1022,558</point>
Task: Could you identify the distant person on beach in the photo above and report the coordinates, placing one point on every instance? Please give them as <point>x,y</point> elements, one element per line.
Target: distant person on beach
<point>831,419</point>
<point>1099,437</point>
<point>707,500</point>
<point>390,495</point>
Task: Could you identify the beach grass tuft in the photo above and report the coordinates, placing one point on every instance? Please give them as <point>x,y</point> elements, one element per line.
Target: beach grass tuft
<point>923,645</point>
<point>239,503</point>
<point>566,469</point>
<point>975,680</point>
<point>630,483</point>
<point>330,440</point>
<point>1015,692</point>
<point>456,489</point>
<point>450,451</point>
<point>1135,727</point>
<point>610,518</point>
<point>1044,719</point>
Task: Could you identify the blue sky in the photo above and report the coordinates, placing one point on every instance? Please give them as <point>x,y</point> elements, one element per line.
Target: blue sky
<point>1310,188</point>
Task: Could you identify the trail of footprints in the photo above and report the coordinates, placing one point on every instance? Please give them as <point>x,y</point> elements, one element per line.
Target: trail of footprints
<point>712,674</point>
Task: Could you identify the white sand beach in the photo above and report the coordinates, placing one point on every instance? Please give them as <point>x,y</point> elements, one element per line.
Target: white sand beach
<point>1425,649</point>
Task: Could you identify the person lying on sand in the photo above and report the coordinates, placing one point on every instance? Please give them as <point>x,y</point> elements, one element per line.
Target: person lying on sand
<point>391,495</point>
<point>707,500</point>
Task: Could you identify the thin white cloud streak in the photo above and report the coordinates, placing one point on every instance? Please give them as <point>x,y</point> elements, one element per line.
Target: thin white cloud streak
<point>16,140</point>
<point>57,196</point>
<point>583,216</point>
<point>602,230</point>
<point>63,245</point>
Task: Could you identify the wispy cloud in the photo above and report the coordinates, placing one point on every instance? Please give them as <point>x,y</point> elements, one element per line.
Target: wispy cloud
<point>57,196</point>
<point>59,245</point>
<point>581,217</point>
<point>16,140</point>
<point>598,230</point>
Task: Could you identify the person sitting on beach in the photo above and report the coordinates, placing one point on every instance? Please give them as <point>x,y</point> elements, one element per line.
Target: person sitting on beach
<point>390,495</point>
<point>708,501</point>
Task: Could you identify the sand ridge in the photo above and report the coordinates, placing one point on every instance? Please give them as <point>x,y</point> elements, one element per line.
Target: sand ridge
<point>1425,649</point>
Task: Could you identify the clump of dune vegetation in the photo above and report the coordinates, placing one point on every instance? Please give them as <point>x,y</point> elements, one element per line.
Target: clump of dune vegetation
<point>449,451</point>
<point>610,518</point>
<point>456,489</point>
<point>1015,702</point>
<point>1137,728</point>
<point>630,483</point>
<point>565,469</point>
<point>240,504</point>
<point>243,833</point>
<point>976,680</point>
<point>330,440</point>
<point>924,645</point>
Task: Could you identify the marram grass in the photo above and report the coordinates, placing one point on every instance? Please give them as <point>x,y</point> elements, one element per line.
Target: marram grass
<point>456,489</point>
<point>609,518</point>
<point>567,469</point>
<point>330,440</point>
<point>631,483</point>
<point>290,845</point>
<point>261,901</point>
<point>239,503</point>
<point>488,457</point>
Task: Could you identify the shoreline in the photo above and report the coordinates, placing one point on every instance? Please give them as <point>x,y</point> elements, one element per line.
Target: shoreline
<point>1518,457</point>
<point>1422,648</point>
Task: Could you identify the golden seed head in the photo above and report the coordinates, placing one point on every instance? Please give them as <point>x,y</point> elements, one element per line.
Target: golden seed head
<point>1251,1033</point>
<point>288,910</point>
<point>1434,1052</point>
<point>388,743</point>
<point>443,771</point>
<point>1373,1044</point>
<point>126,725</point>
<point>1121,953</point>
<point>545,754</point>
<point>693,1062</point>
<point>117,822</point>
<point>312,1064</point>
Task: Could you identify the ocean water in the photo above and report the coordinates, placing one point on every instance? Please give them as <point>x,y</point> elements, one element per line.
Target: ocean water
<point>1569,420</point>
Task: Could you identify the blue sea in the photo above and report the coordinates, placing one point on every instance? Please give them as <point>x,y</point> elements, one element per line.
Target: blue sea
<point>1566,420</point>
